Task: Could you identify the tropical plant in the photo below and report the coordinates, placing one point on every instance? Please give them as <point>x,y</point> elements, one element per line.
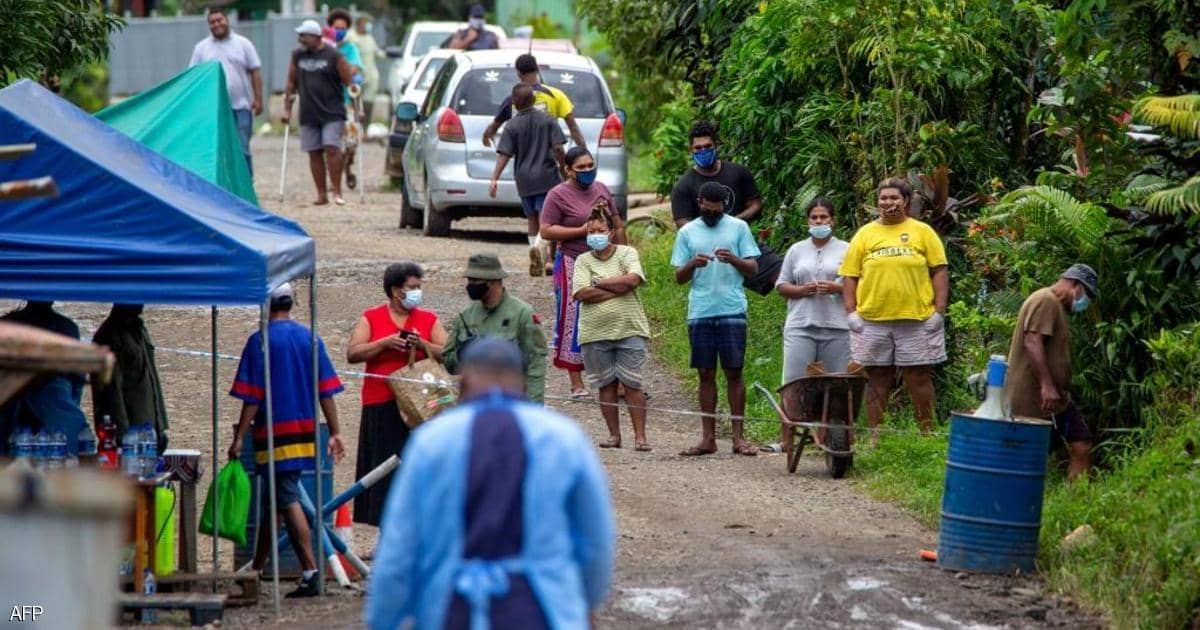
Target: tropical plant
<point>51,39</point>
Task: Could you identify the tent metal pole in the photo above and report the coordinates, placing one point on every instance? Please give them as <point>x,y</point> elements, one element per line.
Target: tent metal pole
<point>216,464</point>
<point>316,376</point>
<point>264,330</point>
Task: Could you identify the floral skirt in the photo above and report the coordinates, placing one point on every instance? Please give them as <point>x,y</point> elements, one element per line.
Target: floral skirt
<point>567,353</point>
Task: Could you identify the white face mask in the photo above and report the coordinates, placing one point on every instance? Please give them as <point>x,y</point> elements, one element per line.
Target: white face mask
<point>412,299</point>
<point>475,23</point>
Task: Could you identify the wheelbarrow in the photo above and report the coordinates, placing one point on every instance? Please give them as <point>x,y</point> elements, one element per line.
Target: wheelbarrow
<point>829,401</point>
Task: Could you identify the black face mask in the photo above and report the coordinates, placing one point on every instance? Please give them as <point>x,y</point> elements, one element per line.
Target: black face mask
<point>476,290</point>
<point>711,220</point>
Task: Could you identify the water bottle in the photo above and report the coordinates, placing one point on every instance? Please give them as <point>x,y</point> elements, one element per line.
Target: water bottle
<point>58,451</point>
<point>107,449</point>
<point>149,587</point>
<point>87,445</point>
<point>41,450</point>
<point>130,465</point>
<point>994,406</point>
<point>149,451</point>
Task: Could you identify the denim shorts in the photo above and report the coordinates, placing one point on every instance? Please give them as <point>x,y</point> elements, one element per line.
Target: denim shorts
<point>287,489</point>
<point>1070,425</point>
<point>245,128</point>
<point>532,204</point>
<point>714,338</point>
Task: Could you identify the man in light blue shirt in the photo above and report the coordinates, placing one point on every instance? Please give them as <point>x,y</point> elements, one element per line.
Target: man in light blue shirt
<point>716,253</point>
<point>501,516</point>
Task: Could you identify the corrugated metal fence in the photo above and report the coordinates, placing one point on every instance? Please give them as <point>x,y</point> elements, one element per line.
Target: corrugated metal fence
<point>149,51</point>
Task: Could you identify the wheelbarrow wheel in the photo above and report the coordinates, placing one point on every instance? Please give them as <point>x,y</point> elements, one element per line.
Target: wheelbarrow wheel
<point>837,438</point>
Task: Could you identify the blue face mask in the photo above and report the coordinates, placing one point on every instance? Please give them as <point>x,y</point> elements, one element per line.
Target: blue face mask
<point>597,241</point>
<point>367,28</point>
<point>412,299</point>
<point>820,231</point>
<point>1081,303</point>
<point>339,34</point>
<point>705,158</point>
<point>585,178</point>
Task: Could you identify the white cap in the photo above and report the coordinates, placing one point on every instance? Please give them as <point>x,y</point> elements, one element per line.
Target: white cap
<point>282,291</point>
<point>309,27</point>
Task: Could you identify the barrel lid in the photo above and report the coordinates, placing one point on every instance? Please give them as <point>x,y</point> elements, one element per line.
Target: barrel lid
<point>79,492</point>
<point>1012,420</point>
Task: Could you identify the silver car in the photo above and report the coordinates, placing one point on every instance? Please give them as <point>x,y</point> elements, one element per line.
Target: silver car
<point>447,169</point>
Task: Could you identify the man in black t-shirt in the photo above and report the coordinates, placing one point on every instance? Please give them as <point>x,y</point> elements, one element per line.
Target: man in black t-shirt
<point>742,198</point>
<point>318,73</point>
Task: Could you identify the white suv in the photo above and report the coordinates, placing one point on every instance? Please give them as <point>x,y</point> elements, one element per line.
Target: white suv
<point>422,37</point>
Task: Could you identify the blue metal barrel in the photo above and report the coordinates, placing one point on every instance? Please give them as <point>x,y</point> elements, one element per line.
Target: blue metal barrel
<point>992,504</point>
<point>289,564</point>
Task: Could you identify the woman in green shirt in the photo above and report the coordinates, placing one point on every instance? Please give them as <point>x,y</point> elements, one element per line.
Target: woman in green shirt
<point>613,329</point>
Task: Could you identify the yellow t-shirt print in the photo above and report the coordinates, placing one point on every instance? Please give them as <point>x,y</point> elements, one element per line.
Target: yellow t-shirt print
<point>892,263</point>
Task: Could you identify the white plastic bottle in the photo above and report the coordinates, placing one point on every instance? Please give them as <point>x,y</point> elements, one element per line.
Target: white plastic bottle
<point>994,406</point>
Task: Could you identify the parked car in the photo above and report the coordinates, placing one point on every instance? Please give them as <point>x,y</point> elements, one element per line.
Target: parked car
<point>414,94</point>
<point>447,169</point>
<point>544,45</point>
<point>422,37</point>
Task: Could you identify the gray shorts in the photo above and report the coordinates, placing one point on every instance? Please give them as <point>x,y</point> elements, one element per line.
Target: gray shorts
<point>314,137</point>
<point>802,346</point>
<point>901,343</point>
<point>287,489</point>
<point>607,362</point>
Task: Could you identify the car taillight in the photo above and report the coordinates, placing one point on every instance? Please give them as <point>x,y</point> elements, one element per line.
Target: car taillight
<point>613,133</point>
<point>450,127</point>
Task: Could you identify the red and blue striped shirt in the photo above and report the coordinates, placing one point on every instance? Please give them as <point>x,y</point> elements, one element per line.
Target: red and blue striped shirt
<point>291,393</point>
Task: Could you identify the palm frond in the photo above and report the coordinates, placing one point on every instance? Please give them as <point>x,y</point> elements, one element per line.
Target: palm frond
<point>1180,114</point>
<point>1054,213</point>
<point>1174,201</point>
<point>1145,185</point>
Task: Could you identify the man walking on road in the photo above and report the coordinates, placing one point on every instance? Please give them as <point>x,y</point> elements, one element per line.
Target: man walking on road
<point>293,420</point>
<point>319,73</point>
<point>243,75</point>
<point>1039,361</point>
<point>500,516</point>
<point>494,312</point>
<point>535,142</point>
<point>715,253</point>
<point>547,98</point>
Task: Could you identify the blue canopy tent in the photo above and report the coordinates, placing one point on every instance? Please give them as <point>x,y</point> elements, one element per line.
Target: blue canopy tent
<point>130,226</point>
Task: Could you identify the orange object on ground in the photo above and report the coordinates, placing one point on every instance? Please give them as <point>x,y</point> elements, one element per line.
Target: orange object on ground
<point>343,526</point>
<point>929,555</point>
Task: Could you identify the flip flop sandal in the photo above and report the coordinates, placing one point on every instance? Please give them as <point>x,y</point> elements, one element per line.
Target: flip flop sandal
<point>696,451</point>
<point>580,394</point>
<point>321,203</point>
<point>339,201</point>
<point>771,448</point>
<point>745,449</point>
<point>643,447</point>
<point>610,443</point>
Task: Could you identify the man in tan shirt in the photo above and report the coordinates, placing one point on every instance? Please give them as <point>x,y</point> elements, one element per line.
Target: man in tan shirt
<point>1039,360</point>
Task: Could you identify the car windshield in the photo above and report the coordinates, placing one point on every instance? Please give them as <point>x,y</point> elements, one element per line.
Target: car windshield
<point>429,40</point>
<point>481,91</point>
<point>431,69</point>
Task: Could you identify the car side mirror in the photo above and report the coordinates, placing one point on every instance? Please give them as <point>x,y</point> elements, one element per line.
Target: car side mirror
<point>394,52</point>
<point>407,112</point>
<point>621,116</point>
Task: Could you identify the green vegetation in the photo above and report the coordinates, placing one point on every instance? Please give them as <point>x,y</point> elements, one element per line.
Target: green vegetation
<point>55,40</point>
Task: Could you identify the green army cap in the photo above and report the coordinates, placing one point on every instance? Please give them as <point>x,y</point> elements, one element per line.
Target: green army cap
<point>485,267</point>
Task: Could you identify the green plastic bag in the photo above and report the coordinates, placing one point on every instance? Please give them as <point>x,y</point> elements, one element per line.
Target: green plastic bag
<point>235,504</point>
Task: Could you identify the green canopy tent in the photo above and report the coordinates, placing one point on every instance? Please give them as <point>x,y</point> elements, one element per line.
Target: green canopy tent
<point>188,119</point>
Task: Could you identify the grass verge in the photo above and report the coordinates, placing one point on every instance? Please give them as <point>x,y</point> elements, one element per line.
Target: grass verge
<point>1142,568</point>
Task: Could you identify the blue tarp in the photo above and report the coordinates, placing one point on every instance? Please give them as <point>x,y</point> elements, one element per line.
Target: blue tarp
<point>129,225</point>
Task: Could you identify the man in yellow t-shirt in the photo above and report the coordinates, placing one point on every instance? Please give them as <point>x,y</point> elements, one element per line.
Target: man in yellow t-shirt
<point>895,290</point>
<point>549,99</point>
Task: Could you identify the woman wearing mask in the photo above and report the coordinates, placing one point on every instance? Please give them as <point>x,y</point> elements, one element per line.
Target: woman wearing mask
<point>815,329</point>
<point>382,339</point>
<point>613,329</point>
<point>896,286</point>
<point>564,220</point>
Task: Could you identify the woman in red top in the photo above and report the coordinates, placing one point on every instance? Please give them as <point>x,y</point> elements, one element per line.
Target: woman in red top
<point>382,339</point>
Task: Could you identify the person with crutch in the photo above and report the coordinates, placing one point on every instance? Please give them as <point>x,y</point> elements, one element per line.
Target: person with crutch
<point>317,74</point>
<point>294,421</point>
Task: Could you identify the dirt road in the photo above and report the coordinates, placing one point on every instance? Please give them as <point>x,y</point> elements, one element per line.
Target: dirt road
<point>720,542</point>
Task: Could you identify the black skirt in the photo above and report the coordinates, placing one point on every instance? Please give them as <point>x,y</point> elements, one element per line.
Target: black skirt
<point>381,434</point>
